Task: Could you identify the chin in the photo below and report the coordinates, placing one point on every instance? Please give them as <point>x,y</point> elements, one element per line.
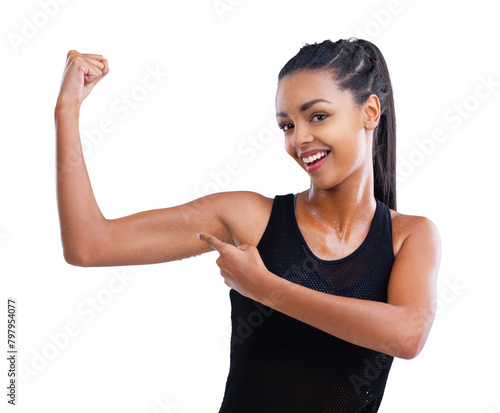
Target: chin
<point>326,182</point>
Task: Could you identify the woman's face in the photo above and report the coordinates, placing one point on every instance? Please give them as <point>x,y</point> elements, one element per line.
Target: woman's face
<point>317,117</point>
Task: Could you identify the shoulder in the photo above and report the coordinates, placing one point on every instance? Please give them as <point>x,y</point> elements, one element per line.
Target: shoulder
<point>416,226</point>
<point>244,213</point>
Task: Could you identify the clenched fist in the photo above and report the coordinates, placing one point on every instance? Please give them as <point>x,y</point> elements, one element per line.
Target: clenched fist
<point>81,74</point>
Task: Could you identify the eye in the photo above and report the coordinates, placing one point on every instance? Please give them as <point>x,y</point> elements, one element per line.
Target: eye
<point>285,126</point>
<point>319,117</point>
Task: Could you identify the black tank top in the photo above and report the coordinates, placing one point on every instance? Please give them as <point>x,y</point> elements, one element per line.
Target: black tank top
<point>279,364</point>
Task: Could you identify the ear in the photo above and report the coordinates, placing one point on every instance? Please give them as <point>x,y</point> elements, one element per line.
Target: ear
<point>371,110</point>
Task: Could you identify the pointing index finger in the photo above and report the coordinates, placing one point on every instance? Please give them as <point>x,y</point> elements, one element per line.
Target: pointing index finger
<point>214,242</point>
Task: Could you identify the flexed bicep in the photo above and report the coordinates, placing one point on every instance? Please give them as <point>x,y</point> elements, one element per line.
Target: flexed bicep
<point>166,234</point>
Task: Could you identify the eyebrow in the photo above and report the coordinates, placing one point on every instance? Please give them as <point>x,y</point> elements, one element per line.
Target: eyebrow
<point>304,107</point>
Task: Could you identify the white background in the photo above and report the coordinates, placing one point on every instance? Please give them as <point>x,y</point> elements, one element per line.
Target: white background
<point>161,342</point>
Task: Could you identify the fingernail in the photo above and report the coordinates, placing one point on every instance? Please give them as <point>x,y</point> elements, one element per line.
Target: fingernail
<point>198,236</point>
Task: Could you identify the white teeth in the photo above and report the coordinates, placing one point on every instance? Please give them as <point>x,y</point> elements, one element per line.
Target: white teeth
<point>311,158</point>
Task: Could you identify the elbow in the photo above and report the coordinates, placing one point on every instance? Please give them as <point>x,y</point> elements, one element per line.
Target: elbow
<point>410,352</point>
<point>412,347</point>
<point>412,335</point>
<point>77,258</point>
<point>82,250</point>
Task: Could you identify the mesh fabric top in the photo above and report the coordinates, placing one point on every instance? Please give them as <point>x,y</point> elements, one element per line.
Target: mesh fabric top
<point>280,364</point>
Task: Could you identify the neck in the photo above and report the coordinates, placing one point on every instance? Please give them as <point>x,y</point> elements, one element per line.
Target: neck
<point>345,207</point>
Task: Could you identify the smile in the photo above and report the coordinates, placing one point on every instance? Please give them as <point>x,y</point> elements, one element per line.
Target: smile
<point>315,161</point>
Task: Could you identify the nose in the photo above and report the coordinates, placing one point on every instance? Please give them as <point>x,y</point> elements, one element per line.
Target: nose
<point>301,136</point>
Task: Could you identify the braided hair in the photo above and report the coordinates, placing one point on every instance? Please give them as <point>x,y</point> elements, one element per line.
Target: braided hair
<point>358,66</point>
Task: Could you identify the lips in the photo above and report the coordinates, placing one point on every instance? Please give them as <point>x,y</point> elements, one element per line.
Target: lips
<point>317,163</point>
<point>309,153</point>
<point>312,158</point>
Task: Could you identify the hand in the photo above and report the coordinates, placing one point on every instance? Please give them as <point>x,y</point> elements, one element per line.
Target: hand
<point>81,74</point>
<point>242,267</point>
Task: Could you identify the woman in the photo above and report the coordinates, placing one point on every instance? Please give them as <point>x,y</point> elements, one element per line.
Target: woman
<point>327,285</point>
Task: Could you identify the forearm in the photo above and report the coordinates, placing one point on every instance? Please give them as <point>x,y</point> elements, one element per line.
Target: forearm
<point>79,213</point>
<point>376,325</point>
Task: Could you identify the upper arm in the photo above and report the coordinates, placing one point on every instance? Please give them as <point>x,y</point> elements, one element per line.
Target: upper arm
<point>166,234</point>
<point>412,284</point>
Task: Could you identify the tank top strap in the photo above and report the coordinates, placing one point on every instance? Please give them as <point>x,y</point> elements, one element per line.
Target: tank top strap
<point>380,231</point>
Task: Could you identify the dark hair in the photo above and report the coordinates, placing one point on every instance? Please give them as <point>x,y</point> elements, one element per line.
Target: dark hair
<point>358,66</point>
